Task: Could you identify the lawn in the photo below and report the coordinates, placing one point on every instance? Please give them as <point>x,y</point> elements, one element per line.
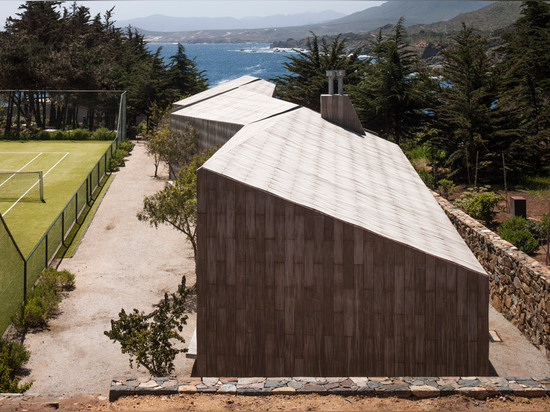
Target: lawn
<point>65,165</point>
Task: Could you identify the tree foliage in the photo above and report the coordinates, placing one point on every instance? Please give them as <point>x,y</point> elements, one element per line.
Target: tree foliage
<point>48,46</point>
<point>394,87</point>
<point>176,204</point>
<point>307,79</point>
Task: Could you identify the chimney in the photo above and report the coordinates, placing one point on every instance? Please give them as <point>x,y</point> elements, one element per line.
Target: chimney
<point>337,108</point>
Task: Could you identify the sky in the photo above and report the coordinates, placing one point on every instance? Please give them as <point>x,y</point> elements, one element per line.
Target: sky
<point>128,9</point>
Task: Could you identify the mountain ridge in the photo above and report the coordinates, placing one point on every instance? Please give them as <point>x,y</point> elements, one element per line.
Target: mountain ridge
<point>174,24</point>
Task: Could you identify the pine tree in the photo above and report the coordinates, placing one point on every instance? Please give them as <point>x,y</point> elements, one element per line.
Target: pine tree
<point>393,92</point>
<point>308,79</point>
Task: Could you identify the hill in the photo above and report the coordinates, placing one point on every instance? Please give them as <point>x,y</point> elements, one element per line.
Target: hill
<point>161,23</point>
<point>415,12</point>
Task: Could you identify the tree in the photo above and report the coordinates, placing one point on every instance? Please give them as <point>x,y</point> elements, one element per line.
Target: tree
<point>474,134</point>
<point>525,89</point>
<point>183,76</point>
<point>308,79</point>
<point>394,90</point>
<point>176,204</point>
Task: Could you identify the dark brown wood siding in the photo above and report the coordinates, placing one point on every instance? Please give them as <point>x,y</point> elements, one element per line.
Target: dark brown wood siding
<point>284,290</point>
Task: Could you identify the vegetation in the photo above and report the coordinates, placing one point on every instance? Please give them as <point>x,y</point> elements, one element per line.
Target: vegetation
<point>518,231</point>
<point>118,159</point>
<point>480,204</point>
<point>48,46</point>
<point>394,87</point>
<point>308,79</point>
<point>13,356</point>
<point>150,338</point>
<point>479,113</point>
<point>43,300</point>
<point>176,204</point>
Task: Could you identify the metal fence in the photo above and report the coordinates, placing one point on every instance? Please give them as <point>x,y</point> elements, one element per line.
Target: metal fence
<point>17,273</point>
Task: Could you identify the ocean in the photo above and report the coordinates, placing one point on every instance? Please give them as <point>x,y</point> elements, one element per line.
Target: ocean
<point>227,61</point>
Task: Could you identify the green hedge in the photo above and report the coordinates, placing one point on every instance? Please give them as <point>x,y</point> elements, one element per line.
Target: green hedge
<point>75,134</point>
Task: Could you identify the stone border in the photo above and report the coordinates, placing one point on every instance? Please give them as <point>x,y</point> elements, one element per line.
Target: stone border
<point>519,286</point>
<point>420,387</point>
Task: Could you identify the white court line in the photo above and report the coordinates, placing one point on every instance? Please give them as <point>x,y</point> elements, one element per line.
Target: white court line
<point>8,179</point>
<point>45,174</point>
<point>29,152</point>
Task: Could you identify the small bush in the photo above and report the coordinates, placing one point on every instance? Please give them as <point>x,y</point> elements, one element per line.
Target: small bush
<point>427,177</point>
<point>480,204</point>
<point>521,239</point>
<point>8,381</point>
<point>103,134</point>
<point>60,135</point>
<point>446,188</point>
<point>43,301</point>
<point>43,135</point>
<point>513,223</point>
<point>16,353</point>
<point>149,338</point>
<point>126,145</point>
<point>80,134</point>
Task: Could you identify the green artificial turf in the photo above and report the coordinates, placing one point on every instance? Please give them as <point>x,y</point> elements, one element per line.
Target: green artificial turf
<point>65,165</point>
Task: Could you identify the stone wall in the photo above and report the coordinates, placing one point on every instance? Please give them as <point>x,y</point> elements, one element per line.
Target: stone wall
<point>519,286</point>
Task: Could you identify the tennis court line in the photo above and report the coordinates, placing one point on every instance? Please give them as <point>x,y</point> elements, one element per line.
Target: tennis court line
<point>36,157</point>
<point>45,174</point>
<point>30,152</point>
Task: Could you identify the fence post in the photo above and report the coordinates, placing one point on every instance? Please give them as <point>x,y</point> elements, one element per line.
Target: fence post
<point>25,282</point>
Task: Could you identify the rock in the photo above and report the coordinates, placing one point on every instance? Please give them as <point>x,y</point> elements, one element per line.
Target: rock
<point>187,389</point>
<point>424,391</point>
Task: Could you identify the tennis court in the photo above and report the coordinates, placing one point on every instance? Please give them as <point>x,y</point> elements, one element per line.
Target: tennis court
<point>64,166</point>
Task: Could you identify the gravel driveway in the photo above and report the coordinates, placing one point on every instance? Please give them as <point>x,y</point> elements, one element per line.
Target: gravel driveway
<point>120,263</point>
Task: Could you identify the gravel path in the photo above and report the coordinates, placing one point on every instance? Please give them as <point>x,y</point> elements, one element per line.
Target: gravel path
<point>121,263</point>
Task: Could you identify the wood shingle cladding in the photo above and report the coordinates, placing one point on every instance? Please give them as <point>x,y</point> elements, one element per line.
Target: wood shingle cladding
<point>284,290</point>
<point>322,253</point>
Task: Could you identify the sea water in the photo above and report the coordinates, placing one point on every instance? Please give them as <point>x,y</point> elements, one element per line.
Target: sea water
<point>222,62</point>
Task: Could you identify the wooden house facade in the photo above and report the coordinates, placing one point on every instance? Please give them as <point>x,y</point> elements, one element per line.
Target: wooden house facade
<point>322,253</point>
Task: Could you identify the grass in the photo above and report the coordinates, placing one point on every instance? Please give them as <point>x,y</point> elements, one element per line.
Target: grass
<point>67,163</point>
<point>87,215</point>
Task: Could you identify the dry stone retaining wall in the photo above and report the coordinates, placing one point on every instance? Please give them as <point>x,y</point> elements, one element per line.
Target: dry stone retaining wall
<point>519,286</point>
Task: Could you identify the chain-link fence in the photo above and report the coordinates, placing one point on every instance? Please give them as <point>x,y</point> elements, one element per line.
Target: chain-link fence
<point>19,274</point>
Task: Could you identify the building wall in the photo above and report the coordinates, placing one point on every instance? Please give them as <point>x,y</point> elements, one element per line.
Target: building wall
<point>286,291</point>
<point>211,133</point>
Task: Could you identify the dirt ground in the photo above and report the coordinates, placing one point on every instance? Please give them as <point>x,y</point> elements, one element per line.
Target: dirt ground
<point>120,263</point>
<point>203,402</point>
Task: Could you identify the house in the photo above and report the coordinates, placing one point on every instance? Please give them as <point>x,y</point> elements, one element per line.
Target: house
<point>322,253</point>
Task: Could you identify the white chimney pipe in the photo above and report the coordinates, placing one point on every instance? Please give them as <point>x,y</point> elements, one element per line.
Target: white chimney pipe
<point>341,74</point>
<point>331,74</point>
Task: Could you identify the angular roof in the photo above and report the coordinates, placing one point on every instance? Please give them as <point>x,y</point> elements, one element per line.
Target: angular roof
<point>251,83</point>
<point>241,105</point>
<point>360,179</point>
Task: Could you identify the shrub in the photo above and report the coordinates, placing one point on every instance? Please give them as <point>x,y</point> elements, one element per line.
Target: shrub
<point>103,134</point>
<point>8,382</point>
<point>427,177</point>
<point>43,301</point>
<point>80,134</point>
<point>126,145</point>
<point>60,135</point>
<point>521,239</point>
<point>480,204</point>
<point>16,353</point>
<point>150,338</point>
<point>43,135</point>
<point>446,188</point>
